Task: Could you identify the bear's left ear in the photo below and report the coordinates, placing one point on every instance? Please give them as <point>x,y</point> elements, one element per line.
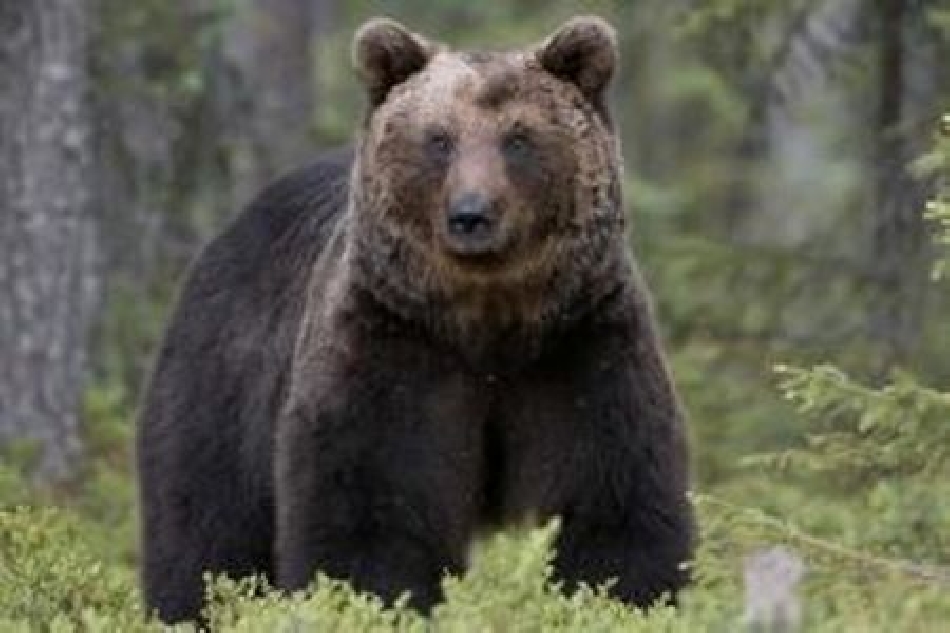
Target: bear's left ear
<point>385,54</point>
<point>584,52</point>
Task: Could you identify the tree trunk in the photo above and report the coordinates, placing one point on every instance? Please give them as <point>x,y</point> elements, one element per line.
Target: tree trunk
<point>48,271</point>
<point>270,47</point>
<point>898,257</point>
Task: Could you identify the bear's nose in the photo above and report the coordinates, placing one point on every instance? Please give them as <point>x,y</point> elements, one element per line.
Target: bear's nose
<point>470,216</point>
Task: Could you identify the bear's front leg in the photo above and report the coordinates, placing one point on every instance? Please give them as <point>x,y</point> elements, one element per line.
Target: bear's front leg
<point>627,516</point>
<point>376,474</point>
<point>598,440</point>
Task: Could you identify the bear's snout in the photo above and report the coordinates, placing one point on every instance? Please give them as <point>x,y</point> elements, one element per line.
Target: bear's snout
<point>471,225</point>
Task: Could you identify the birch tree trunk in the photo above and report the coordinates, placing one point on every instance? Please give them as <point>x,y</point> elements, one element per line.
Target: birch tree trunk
<point>48,273</point>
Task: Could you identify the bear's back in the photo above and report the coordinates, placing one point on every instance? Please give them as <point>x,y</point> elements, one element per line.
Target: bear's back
<point>281,232</point>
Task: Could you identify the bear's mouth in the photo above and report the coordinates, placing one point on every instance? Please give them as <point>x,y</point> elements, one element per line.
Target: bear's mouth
<point>480,244</point>
<point>485,247</point>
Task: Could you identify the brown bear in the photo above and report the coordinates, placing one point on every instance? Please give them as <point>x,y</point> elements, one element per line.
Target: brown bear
<point>439,333</point>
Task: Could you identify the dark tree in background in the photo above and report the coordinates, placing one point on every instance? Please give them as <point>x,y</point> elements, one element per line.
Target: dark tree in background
<point>898,255</point>
<point>49,278</point>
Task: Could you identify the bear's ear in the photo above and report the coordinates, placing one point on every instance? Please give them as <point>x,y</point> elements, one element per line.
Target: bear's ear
<point>584,52</point>
<point>385,54</point>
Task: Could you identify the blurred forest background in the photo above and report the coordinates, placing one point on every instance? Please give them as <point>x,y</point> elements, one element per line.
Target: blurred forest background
<point>787,174</point>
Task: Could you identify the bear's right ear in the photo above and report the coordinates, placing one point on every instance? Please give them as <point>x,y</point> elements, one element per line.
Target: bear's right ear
<point>385,54</point>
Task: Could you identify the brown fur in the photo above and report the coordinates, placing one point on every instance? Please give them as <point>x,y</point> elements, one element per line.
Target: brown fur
<point>565,222</point>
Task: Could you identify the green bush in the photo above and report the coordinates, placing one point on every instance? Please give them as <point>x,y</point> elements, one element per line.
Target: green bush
<point>50,580</point>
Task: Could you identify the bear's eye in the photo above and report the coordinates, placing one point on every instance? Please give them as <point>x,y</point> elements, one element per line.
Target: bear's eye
<point>439,144</point>
<point>517,147</point>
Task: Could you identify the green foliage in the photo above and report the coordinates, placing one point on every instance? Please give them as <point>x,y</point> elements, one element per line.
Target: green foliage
<point>936,164</point>
<point>160,33</point>
<point>939,211</point>
<point>49,577</point>
<point>52,582</point>
<point>878,453</point>
<point>845,589</point>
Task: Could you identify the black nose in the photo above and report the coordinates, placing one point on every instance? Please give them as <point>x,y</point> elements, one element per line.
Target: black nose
<point>470,215</point>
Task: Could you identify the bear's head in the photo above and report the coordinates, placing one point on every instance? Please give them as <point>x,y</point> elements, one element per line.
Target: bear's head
<point>485,192</point>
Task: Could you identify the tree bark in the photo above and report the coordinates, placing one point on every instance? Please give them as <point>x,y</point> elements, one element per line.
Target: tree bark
<point>48,272</point>
<point>269,45</point>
